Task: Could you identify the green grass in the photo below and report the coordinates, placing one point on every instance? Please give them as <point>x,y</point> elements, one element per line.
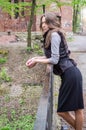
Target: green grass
<point>25,122</point>
<point>4,76</point>
<point>29,49</point>
<point>36,48</point>
<point>3,60</point>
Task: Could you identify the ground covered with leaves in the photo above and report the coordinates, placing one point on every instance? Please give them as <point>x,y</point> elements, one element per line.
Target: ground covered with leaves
<point>20,87</point>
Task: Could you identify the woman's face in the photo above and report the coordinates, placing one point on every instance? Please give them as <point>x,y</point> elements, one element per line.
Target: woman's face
<point>45,27</point>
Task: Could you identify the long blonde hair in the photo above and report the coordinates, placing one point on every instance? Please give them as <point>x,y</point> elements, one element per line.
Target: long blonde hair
<point>54,23</point>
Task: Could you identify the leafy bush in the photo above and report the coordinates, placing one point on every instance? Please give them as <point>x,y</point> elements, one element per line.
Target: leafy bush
<point>4,76</point>
<point>29,49</point>
<point>3,60</point>
<point>25,122</point>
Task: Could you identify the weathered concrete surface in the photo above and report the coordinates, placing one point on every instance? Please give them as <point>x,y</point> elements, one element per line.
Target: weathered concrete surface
<point>78,50</point>
<point>78,44</point>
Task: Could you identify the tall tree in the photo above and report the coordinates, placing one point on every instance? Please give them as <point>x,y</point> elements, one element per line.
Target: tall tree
<point>77,6</point>
<point>76,14</point>
<point>31,22</point>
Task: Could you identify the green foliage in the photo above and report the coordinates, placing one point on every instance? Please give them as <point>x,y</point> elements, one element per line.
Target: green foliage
<point>29,49</point>
<point>6,128</point>
<point>40,52</point>
<point>3,60</point>
<point>25,122</point>
<point>78,2</point>
<point>9,6</point>
<point>4,52</point>
<point>4,76</point>
<point>77,5</point>
<point>38,49</point>
<point>7,98</point>
<point>60,3</point>
<point>21,101</point>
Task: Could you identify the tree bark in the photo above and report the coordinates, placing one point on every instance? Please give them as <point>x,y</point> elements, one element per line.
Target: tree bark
<point>75,17</point>
<point>30,23</point>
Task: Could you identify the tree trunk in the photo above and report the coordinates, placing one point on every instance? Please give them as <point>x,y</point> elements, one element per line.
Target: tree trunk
<point>30,23</point>
<point>75,17</point>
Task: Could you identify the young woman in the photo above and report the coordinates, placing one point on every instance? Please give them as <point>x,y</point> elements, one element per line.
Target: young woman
<point>57,53</point>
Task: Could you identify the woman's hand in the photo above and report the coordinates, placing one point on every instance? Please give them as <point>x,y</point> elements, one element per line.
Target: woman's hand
<point>48,68</point>
<point>31,63</point>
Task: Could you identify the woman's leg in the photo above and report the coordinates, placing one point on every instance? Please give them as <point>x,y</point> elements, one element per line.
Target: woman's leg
<point>75,121</point>
<point>68,117</point>
<point>79,117</point>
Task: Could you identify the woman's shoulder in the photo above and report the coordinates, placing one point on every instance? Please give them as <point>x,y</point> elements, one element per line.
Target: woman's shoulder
<point>55,35</point>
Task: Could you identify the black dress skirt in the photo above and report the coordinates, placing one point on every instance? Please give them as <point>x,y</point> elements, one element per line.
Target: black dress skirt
<point>71,92</point>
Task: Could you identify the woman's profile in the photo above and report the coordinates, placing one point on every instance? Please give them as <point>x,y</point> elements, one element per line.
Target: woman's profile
<point>56,52</point>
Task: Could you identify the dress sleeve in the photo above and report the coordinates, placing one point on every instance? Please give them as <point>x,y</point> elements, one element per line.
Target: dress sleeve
<point>55,43</point>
